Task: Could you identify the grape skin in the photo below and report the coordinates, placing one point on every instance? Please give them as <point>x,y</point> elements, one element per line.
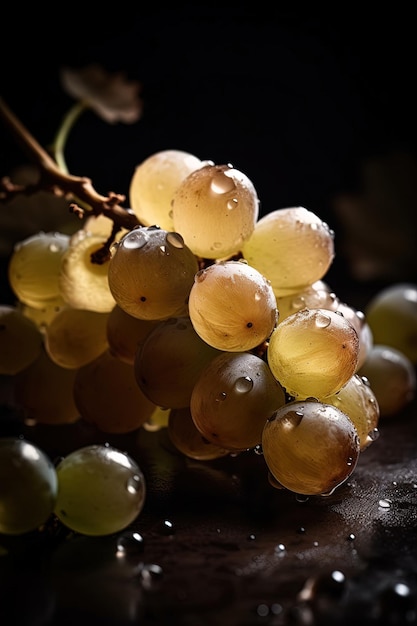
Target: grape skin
<point>310,447</point>
<point>186,437</point>
<point>101,490</point>
<point>28,486</point>
<point>20,341</point>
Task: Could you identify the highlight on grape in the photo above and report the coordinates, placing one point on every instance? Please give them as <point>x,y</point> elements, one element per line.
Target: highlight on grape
<point>190,307</point>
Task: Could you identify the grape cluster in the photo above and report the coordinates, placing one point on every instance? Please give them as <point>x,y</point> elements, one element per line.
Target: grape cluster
<point>207,321</point>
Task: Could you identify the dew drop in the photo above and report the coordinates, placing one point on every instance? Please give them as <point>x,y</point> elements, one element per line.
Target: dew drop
<point>129,543</point>
<point>133,484</point>
<point>164,250</point>
<point>373,434</point>
<point>258,450</point>
<point>384,503</point>
<point>244,384</point>
<point>322,320</point>
<point>221,397</point>
<point>300,497</point>
<point>135,239</point>
<point>151,574</point>
<point>175,240</point>
<point>232,204</point>
<point>222,182</point>
<point>280,549</point>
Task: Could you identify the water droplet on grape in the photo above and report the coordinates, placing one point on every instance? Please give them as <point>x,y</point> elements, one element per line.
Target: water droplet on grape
<point>222,182</point>
<point>232,204</point>
<point>221,397</point>
<point>135,239</point>
<point>133,484</point>
<point>244,384</point>
<point>175,240</point>
<point>322,320</point>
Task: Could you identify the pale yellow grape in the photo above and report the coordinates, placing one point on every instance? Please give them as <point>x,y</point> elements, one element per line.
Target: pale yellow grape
<point>392,377</point>
<point>315,296</point>
<point>125,333</point>
<point>313,353</point>
<point>215,209</point>
<point>359,402</point>
<point>34,267</point>
<point>151,272</point>
<point>232,399</point>
<point>43,392</point>
<point>154,182</point>
<point>360,324</point>
<point>185,436</point>
<point>82,283</point>
<point>169,361</point>
<point>101,490</point>
<point>310,447</point>
<point>42,317</point>
<point>232,306</point>
<point>20,340</point>
<point>107,395</point>
<point>99,225</point>
<point>392,317</point>
<point>76,336</point>
<point>293,247</point>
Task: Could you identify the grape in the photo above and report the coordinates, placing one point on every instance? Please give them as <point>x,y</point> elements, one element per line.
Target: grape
<point>76,336</point>
<point>185,436</point>
<point>292,247</point>
<point>82,283</point>
<point>44,392</point>
<point>315,296</point>
<point>101,490</point>
<point>232,399</point>
<point>358,400</point>
<point>151,273</point>
<point>20,340</point>
<point>34,268</point>
<point>154,182</point>
<point>360,324</point>
<point>392,317</point>
<point>215,209</point>
<point>310,447</point>
<point>28,486</point>
<point>313,353</point>
<point>125,333</point>
<point>232,306</point>
<point>107,395</point>
<point>42,317</point>
<point>392,377</point>
<point>169,362</point>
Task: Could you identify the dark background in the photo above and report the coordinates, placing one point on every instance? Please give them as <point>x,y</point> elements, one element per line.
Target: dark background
<point>302,102</point>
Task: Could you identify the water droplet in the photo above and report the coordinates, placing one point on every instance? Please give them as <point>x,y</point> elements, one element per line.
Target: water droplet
<point>251,537</point>
<point>384,503</point>
<point>373,434</point>
<point>300,497</point>
<point>221,397</point>
<point>351,537</point>
<point>133,484</point>
<point>322,320</point>
<point>244,384</point>
<point>164,250</point>
<point>280,549</point>
<point>258,449</point>
<point>175,240</point>
<point>200,276</point>
<point>232,204</point>
<point>217,245</point>
<point>222,182</point>
<point>136,238</point>
<point>166,527</point>
<point>129,543</point>
<point>151,574</point>
<point>262,610</point>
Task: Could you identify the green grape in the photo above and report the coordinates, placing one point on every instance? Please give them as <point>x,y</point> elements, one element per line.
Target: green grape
<point>28,486</point>
<point>292,247</point>
<point>107,395</point>
<point>125,333</point>
<point>310,447</point>
<point>20,340</point>
<point>313,353</point>
<point>392,317</point>
<point>315,296</point>
<point>392,377</point>
<point>76,336</point>
<point>185,436</point>
<point>169,361</point>
<point>82,283</point>
<point>232,306</point>
<point>215,209</point>
<point>358,400</point>
<point>101,490</point>
<point>34,267</point>
<point>232,399</point>
<point>44,392</point>
<point>154,182</point>
<point>151,272</point>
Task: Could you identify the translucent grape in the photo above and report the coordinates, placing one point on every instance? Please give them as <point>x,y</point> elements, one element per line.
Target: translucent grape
<point>359,402</point>
<point>107,395</point>
<point>28,486</point>
<point>232,399</point>
<point>76,336</point>
<point>125,333</point>
<point>20,340</point>
<point>310,447</point>
<point>215,209</point>
<point>101,490</point>
<point>154,182</point>
<point>82,283</point>
<point>44,392</point>
<point>232,306</point>
<point>392,317</point>
<point>313,353</point>
<point>315,296</point>
<point>44,315</point>
<point>360,324</point>
<point>185,436</point>
<point>169,362</point>
<point>293,247</point>
<point>34,267</point>
<point>392,377</point>
<point>151,273</point>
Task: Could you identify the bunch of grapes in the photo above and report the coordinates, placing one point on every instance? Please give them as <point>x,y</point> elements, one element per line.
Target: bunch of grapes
<point>206,320</point>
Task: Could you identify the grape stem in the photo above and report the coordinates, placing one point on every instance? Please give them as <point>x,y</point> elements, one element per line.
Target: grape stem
<point>60,183</point>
